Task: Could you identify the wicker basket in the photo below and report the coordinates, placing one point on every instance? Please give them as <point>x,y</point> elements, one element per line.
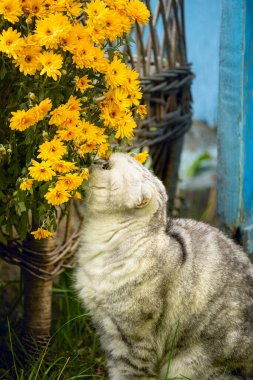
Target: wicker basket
<point>40,262</point>
<point>165,79</point>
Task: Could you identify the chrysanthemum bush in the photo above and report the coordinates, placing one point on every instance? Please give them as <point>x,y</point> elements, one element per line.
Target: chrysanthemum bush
<point>67,98</point>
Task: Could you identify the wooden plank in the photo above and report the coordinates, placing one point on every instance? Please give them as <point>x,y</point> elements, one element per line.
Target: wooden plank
<point>235,120</point>
<point>247,225</point>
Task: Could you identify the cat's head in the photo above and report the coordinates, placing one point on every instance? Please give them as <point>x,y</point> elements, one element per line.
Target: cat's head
<point>122,184</point>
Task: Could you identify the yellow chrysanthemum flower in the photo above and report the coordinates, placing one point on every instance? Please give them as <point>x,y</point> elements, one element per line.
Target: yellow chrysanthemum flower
<point>64,118</point>
<point>116,73</point>
<point>111,113</point>
<point>141,157</point>
<point>51,64</point>
<point>138,11</point>
<point>90,133</point>
<point>41,171</point>
<point>50,29</point>
<point>136,96</point>
<point>117,4</point>
<point>83,83</point>
<point>80,32</point>
<point>77,195</point>
<point>70,181</point>
<point>68,42</point>
<point>66,115</point>
<point>73,8</point>
<point>11,10</point>
<point>112,25</point>
<point>125,127</point>
<point>83,55</point>
<point>95,9</point>
<point>85,174</point>
<point>57,195</point>
<point>51,150</point>
<point>86,133</point>
<point>62,166</point>
<point>21,120</point>
<point>34,8</point>
<point>118,96</point>
<point>96,32</point>
<point>87,148</point>
<point>26,184</point>
<point>141,110</point>
<point>100,62</point>
<point>43,108</point>
<point>41,233</point>
<point>70,120</point>
<point>10,42</point>
<point>58,115</point>
<point>56,5</point>
<point>27,57</point>
<point>126,23</point>
<point>103,151</point>
<point>132,82</point>
<point>73,104</point>
<point>68,134</point>
<point>39,111</point>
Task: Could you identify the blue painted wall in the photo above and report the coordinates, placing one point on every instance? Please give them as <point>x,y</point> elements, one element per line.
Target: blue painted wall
<point>203,33</point>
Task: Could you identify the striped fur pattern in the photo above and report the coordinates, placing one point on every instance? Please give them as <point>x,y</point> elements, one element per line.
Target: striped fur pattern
<point>169,298</point>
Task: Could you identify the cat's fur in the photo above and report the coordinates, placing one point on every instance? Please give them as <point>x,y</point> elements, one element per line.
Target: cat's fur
<point>159,291</point>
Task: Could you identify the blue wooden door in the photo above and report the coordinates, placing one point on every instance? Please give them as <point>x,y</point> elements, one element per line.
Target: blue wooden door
<point>235,120</point>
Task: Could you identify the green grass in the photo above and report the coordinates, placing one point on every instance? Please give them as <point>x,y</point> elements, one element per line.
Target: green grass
<point>73,353</point>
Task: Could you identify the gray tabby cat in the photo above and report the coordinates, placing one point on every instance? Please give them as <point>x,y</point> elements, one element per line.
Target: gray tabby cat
<point>168,298</point>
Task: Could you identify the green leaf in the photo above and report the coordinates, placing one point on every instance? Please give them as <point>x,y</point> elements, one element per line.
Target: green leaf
<point>44,189</point>
<point>197,164</point>
<point>3,71</point>
<point>21,207</point>
<point>23,227</point>
<point>3,239</point>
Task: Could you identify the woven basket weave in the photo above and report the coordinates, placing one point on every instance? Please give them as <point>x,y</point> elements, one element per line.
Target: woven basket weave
<point>160,57</point>
<point>165,79</point>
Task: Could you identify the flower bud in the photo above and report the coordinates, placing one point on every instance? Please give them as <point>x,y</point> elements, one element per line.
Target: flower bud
<point>29,20</point>
<point>32,95</point>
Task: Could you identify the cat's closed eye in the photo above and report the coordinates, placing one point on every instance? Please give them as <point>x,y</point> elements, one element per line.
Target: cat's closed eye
<point>106,166</point>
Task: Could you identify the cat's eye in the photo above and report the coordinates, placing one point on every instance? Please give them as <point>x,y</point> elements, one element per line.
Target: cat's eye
<point>106,166</point>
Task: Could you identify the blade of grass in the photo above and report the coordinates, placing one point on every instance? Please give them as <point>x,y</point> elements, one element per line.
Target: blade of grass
<point>48,370</point>
<point>42,358</point>
<point>63,368</point>
<point>11,346</point>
